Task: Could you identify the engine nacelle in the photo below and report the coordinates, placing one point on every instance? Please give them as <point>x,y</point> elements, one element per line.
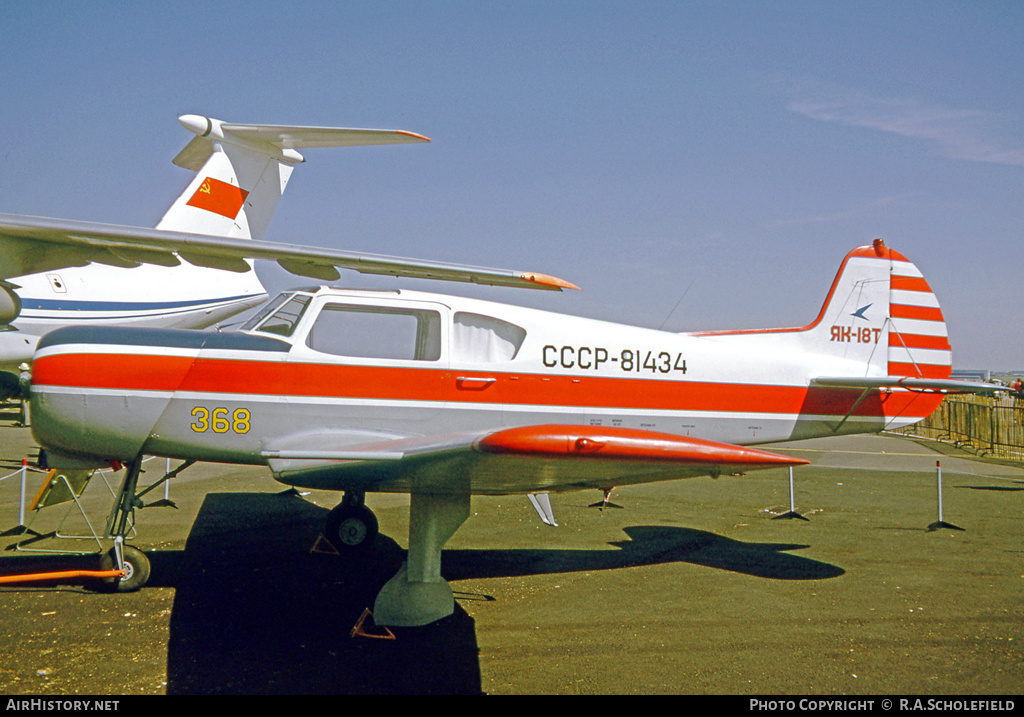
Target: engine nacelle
<point>10,304</point>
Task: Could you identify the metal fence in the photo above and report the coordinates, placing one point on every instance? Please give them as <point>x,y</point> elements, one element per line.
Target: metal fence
<point>991,426</point>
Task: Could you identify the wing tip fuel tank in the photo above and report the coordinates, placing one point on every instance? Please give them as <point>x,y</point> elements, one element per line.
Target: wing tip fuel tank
<point>611,443</point>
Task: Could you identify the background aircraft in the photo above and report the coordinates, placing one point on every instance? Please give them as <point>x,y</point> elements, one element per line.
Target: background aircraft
<point>445,397</point>
<point>55,273</point>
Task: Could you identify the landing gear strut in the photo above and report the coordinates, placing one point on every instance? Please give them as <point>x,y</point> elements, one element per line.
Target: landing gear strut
<point>132,562</point>
<point>122,568</point>
<point>417,594</point>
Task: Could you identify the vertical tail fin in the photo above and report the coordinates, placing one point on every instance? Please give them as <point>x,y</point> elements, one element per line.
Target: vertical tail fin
<point>242,171</point>
<point>882,313</point>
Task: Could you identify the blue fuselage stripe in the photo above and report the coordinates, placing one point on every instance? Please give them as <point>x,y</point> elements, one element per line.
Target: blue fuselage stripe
<point>32,304</point>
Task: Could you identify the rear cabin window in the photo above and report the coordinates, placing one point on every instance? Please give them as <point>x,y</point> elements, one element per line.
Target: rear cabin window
<point>484,339</point>
<point>377,332</point>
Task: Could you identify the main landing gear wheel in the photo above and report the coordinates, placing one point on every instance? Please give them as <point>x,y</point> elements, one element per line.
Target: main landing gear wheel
<point>351,528</point>
<point>136,570</point>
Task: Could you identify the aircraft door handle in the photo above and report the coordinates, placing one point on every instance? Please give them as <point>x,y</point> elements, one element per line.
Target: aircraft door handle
<point>474,383</point>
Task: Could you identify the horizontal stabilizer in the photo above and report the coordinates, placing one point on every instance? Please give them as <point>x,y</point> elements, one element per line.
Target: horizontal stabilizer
<point>296,137</point>
<point>908,382</point>
<point>278,141</point>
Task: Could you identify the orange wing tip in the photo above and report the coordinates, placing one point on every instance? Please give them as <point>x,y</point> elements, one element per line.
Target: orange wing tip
<point>612,443</point>
<point>413,135</point>
<point>547,280</point>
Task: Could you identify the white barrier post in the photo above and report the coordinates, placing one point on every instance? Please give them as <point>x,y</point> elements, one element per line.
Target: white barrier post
<point>940,523</point>
<point>21,506</point>
<point>792,502</point>
<point>792,505</point>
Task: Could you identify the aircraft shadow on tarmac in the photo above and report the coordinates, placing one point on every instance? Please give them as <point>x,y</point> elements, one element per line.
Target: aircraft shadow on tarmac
<point>648,545</point>
<point>256,612</point>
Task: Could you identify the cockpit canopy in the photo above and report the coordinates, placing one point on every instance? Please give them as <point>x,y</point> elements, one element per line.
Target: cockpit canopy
<point>392,327</point>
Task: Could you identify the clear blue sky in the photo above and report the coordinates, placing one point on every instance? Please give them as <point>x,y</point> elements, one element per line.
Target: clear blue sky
<point>729,151</point>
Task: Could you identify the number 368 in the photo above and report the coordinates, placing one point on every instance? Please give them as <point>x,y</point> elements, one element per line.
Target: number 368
<point>221,420</point>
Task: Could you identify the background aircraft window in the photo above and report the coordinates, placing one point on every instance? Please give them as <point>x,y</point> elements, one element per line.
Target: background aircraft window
<point>282,321</point>
<point>377,332</point>
<point>480,339</point>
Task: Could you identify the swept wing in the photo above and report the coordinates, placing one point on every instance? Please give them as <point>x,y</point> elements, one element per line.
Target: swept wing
<point>31,245</point>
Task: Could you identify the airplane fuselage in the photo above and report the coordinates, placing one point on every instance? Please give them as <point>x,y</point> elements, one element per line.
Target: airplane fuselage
<point>148,296</point>
<point>335,366</point>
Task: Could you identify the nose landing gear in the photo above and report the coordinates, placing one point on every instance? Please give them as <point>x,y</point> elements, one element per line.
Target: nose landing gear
<point>133,564</point>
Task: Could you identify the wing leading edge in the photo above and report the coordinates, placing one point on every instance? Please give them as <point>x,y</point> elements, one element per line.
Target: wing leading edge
<point>526,459</point>
<point>37,244</point>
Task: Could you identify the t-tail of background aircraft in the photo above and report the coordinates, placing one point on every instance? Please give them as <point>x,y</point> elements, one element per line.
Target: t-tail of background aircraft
<point>241,172</point>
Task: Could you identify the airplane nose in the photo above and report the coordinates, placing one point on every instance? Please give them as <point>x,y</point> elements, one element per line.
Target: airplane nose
<point>94,398</point>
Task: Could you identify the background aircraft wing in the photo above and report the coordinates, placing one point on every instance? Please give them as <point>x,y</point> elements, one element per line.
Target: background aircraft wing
<point>30,245</point>
<point>527,459</point>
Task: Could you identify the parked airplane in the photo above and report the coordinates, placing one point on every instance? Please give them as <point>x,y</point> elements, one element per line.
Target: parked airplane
<point>445,397</point>
<point>57,273</point>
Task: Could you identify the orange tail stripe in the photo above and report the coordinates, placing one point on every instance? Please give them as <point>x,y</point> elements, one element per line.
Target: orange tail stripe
<point>909,283</point>
<point>922,313</point>
<point>916,341</point>
<point>922,370</point>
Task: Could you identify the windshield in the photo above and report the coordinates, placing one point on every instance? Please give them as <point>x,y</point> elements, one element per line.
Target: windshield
<point>280,315</point>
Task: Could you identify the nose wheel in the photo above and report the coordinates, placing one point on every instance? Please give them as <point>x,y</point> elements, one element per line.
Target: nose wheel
<point>132,562</point>
<point>351,527</point>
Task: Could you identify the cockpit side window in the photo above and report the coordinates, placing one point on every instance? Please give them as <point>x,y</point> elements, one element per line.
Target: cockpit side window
<point>280,316</point>
<point>377,332</point>
<point>484,339</point>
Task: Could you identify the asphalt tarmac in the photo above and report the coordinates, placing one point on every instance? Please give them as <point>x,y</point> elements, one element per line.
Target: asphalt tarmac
<point>695,586</point>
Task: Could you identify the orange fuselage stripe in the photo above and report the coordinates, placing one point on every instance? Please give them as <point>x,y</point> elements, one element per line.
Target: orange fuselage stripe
<point>219,376</point>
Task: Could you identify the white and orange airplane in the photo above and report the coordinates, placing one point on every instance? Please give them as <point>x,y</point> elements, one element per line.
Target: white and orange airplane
<point>445,397</point>
<point>195,268</point>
